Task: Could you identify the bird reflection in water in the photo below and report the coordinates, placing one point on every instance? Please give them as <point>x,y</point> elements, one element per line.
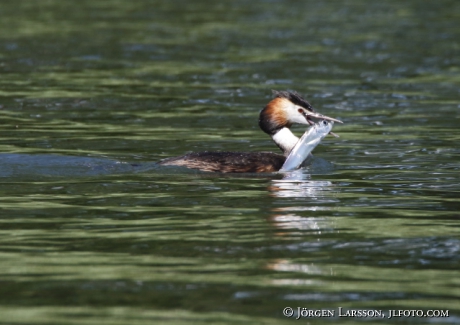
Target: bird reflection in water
<point>316,195</point>
<point>293,222</point>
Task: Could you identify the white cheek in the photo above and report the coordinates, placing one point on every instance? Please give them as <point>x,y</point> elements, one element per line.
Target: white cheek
<point>299,119</point>
<point>294,116</point>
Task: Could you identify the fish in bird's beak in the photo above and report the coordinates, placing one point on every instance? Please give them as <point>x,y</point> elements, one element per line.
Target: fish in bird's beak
<point>309,114</point>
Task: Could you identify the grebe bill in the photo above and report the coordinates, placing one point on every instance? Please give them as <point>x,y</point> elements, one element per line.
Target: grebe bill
<point>275,119</point>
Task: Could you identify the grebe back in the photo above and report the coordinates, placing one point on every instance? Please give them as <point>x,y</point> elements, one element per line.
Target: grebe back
<point>275,119</point>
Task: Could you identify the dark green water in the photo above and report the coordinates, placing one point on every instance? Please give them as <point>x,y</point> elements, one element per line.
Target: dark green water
<point>92,93</point>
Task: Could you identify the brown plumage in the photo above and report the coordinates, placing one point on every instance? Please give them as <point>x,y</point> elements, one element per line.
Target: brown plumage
<point>229,162</point>
<point>274,115</point>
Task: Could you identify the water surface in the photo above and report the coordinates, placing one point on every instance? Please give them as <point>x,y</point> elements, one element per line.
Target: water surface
<point>94,93</point>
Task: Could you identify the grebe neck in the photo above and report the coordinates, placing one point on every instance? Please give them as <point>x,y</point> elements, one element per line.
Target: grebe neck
<point>285,140</point>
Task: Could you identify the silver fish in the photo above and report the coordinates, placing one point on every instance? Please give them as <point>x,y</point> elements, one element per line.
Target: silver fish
<point>309,140</point>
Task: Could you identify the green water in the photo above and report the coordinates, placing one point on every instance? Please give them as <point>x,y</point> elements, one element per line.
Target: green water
<point>93,93</point>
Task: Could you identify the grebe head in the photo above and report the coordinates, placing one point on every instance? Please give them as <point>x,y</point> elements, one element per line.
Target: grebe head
<point>287,108</point>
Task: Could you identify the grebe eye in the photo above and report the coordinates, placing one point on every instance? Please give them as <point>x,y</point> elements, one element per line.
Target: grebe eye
<point>301,111</point>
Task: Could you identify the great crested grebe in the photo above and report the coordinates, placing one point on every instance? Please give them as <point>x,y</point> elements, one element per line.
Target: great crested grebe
<point>275,119</point>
